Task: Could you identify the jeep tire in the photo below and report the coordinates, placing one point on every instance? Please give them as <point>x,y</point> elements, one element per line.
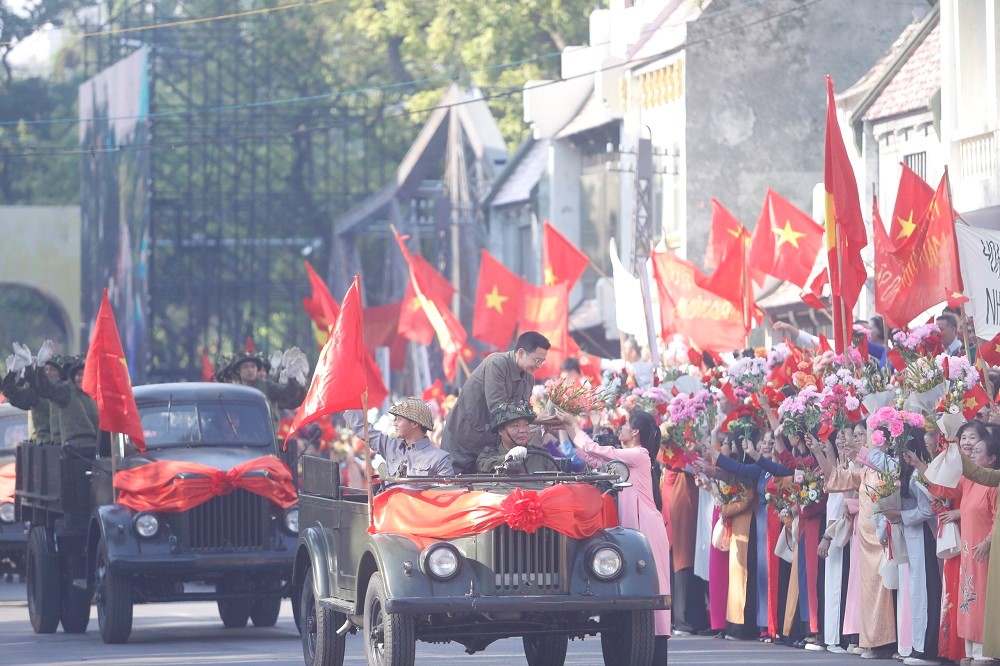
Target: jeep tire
<point>234,612</point>
<point>545,649</point>
<point>628,638</point>
<point>390,640</point>
<point>264,610</point>
<point>321,646</point>
<point>113,593</point>
<point>42,571</point>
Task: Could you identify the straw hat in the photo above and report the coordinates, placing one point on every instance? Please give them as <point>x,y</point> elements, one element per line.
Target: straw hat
<point>415,410</point>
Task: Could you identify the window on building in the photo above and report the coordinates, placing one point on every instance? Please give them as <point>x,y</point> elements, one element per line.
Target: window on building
<point>917,162</point>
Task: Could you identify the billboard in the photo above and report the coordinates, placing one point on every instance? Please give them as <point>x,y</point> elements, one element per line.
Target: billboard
<point>115,218</point>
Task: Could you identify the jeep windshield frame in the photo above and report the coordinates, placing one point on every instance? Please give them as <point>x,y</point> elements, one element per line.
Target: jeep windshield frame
<point>186,423</point>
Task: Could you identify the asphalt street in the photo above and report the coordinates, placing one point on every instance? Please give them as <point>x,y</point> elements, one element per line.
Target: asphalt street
<point>192,634</point>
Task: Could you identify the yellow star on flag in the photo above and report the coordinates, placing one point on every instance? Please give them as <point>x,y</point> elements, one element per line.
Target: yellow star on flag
<point>907,226</point>
<point>495,301</point>
<point>787,235</point>
<point>415,303</point>
<point>734,232</point>
<point>550,277</point>
<point>970,403</point>
<point>935,210</point>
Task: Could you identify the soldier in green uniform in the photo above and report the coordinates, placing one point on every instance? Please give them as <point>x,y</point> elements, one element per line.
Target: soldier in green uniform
<point>511,422</point>
<point>76,411</point>
<point>20,394</point>
<point>249,369</point>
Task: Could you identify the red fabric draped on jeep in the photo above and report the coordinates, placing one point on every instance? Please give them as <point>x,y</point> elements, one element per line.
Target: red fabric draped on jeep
<point>576,510</point>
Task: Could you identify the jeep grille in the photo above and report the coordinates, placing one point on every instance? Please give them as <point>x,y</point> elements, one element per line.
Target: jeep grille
<point>227,523</point>
<point>528,563</point>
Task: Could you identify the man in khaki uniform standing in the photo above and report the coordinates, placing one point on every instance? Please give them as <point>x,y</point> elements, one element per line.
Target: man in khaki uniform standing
<point>503,377</point>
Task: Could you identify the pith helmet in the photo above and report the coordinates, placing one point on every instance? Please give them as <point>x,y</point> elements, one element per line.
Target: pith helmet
<point>415,410</point>
<point>510,411</point>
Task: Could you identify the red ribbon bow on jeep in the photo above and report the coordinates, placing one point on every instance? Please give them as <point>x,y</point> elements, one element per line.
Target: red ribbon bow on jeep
<point>159,485</point>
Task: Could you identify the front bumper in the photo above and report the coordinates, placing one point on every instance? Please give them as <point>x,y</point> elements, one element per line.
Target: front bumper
<point>205,564</point>
<point>532,604</point>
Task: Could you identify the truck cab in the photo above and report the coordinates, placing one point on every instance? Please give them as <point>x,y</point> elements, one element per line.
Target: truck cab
<point>86,542</point>
<point>360,568</point>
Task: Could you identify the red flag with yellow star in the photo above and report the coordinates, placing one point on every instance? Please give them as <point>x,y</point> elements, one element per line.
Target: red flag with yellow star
<point>546,310</point>
<point>498,303</point>
<point>561,260</point>
<point>413,322</point>
<point>974,400</point>
<point>106,380</point>
<point>913,273</point>
<point>785,242</point>
<point>955,298</point>
<point>990,351</point>
<point>731,280</point>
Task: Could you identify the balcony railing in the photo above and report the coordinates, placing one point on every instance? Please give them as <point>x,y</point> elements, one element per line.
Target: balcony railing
<point>978,156</point>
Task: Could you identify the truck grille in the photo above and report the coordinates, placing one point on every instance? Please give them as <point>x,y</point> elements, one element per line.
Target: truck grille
<point>528,563</point>
<point>234,522</point>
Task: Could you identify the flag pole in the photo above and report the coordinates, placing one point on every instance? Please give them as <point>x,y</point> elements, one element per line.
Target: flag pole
<point>839,307</point>
<point>368,457</point>
<point>746,288</point>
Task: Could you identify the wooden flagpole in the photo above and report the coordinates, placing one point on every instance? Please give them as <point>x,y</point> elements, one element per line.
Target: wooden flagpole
<point>368,457</point>
<point>838,301</point>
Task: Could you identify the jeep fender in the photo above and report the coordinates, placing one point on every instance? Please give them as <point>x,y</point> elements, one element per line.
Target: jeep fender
<point>316,549</point>
<point>113,522</point>
<point>640,575</point>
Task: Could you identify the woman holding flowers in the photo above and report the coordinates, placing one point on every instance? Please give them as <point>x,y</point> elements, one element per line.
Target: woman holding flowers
<point>639,505</point>
<point>977,494</point>
<point>878,619</point>
<point>746,437</point>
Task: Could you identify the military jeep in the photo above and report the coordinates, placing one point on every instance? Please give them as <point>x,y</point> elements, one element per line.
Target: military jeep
<point>236,548</point>
<point>543,586</point>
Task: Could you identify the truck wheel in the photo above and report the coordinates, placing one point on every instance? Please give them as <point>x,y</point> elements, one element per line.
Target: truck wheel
<point>113,593</point>
<point>75,611</point>
<point>628,638</point>
<point>297,607</point>
<point>234,612</point>
<point>391,639</point>
<point>265,610</point>
<point>321,646</point>
<point>42,570</point>
<point>545,650</point>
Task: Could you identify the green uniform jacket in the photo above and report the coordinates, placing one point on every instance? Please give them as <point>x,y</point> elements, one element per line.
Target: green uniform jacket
<point>466,432</point>
<point>21,395</point>
<point>537,460</point>
<point>77,410</point>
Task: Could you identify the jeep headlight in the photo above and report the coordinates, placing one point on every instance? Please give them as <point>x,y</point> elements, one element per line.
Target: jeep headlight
<point>606,562</point>
<point>440,561</point>
<point>7,512</point>
<point>146,524</point>
<point>292,520</point>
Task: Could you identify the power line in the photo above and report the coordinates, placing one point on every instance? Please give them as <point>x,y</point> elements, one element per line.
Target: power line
<point>341,93</point>
<point>55,150</point>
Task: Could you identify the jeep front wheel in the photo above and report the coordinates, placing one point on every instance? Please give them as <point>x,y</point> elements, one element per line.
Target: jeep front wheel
<point>627,638</point>
<point>265,610</point>
<point>390,639</point>
<point>42,570</point>
<point>321,646</point>
<point>234,612</point>
<point>545,650</point>
<point>113,593</point>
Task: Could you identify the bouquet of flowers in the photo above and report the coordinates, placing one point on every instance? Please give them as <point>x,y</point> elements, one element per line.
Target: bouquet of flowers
<point>689,416</point>
<point>839,400</point>
<point>780,493</point>
<point>888,425</point>
<point>742,420</point>
<point>654,399</point>
<point>922,341</point>
<point>725,494</point>
<point>801,413</point>
<point>921,375</point>
<point>575,397</point>
<point>875,379</point>
<point>960,378</point>
<point>747,376</point>
<point>810,485</point>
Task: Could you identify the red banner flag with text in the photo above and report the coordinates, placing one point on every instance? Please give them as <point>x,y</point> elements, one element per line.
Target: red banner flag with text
<point>433,298</point>
<point>339,381</point>
<point>914,273</point>
<point>498,303</point>
<point>785,242</point>
<point>845,227</point>
<point>561,260</point>
<point>708,321</point>
<point>106,380</point>
<point>546,310</point>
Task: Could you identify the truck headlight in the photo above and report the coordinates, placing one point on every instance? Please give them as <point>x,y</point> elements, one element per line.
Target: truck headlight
<point>292,520</point>
<point>7,512</point>
<point>146,524</point>
<point>606,562</point>
<point>440,561</point>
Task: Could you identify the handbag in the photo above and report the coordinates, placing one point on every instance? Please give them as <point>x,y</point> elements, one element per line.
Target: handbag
<point>787,540</point>
<point>840,531</point>
<point>949,540</point>
<point>889,573</point>
<point>721,535</point>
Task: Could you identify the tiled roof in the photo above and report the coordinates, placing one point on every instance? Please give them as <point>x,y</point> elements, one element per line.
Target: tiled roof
<point>914,84</point>
<point>885,63</point>
<point>517,186</point>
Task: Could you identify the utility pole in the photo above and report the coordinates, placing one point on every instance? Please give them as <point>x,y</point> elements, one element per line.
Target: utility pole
<point>642,235</point>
